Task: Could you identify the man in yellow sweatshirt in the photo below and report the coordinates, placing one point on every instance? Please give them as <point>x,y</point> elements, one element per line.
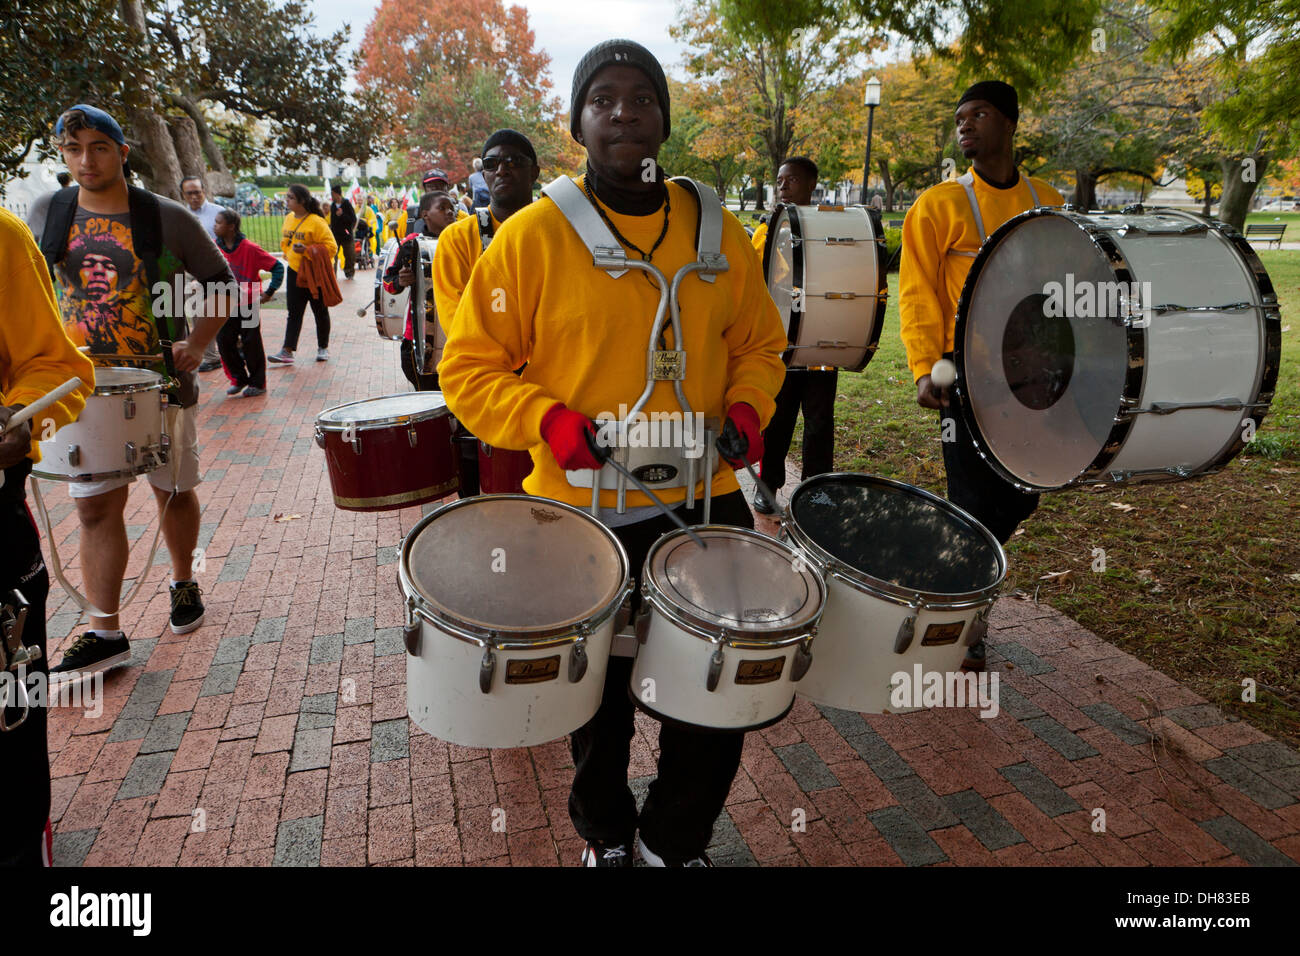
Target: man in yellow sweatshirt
<point>536,297</point>
<point>942,232</point>
<point>36,356</point>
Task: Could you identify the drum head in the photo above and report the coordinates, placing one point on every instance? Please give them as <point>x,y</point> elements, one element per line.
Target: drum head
<point>1041,390</point>
<point>893,533</point>
<point>384,410</point>
<point>111,378</point>
<point>744,580</point>
<point>514,564</point>
<point>778,261</point>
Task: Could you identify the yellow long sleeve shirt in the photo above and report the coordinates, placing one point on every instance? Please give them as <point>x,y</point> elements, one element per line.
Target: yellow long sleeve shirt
<point>759,239</point>
<point>940,239</point>
<point>309,230</point>
<point>535,297</point>
<point>36,355</point>
<point>459,247</point>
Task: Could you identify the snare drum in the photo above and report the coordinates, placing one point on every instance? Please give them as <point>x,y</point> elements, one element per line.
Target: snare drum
<point>725,633</point>
<point>390,309</point>
<point>389,452</point>
<point>1114,347</point>
<point>502,471</point>
<point>825,269</point>
<point>119,433</point>
<point>911,580</point>
<point>511,603</point>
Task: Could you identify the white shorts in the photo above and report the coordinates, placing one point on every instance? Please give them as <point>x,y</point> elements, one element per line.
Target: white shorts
<point>183,460</point>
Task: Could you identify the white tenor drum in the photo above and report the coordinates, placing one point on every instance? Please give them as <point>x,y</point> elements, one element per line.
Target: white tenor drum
<point>911,579</point>
<point>825,269</point>
<point>1141,346</point>
<point>390,309</point>
<point>426,330</point>
<point>511,603</point>
<point>119,433</point>
<point>725,632</point>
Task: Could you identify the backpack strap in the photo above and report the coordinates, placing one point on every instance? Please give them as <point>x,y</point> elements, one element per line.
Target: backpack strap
<point>146,236</point>
<point>485,232</point>
<point>58,220</point>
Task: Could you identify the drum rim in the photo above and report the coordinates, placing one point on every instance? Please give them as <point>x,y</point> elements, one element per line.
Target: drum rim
<point>104,475</point>
<point>833,567</point>
<point>713,632</point>
<point>507,638</point>
<point>1136,336</point>
<point>126,388</point>
<point>386,422</point>
<point>797,270</point>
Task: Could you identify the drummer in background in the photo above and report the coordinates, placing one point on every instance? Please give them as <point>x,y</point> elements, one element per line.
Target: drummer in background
<point>941,235</point>
<point>36,356</point>
<point>107,305</point>
<point>536,297</point>
<point>510,169</point>
<point>811,389</point>
<point>434,214</point>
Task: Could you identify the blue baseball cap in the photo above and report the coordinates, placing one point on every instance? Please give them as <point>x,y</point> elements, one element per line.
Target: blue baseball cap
<point>97,120</point>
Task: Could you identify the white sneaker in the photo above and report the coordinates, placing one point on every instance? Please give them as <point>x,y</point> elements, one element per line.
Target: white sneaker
<point>654,859</point>
<point>322,355</point>
<point>283,357</point>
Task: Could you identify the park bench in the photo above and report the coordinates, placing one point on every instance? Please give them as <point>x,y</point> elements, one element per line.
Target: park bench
<point>1268,232</point>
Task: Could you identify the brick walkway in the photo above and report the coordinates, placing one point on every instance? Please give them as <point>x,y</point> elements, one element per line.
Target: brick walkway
<point>277,733</point>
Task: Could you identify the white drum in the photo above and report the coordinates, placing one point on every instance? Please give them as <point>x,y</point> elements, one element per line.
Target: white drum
<point>511,603</point>
<point>825,269</point>
<point>726,632</point>
<point>911,580</point>
<point>426,330</point>
<point>1141,346</point>
<point>118,434</point>
<point>390,309</point>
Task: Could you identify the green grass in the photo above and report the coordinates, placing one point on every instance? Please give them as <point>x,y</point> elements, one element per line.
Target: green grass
<point>1202,578</point>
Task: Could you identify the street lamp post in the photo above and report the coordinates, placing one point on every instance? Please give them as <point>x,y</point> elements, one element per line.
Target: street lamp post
<point>871,99</point>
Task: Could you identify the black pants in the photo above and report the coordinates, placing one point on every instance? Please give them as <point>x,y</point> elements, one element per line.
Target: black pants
<point>973,485</point>
<point>814,391</point>
<point>242,352</point>
<point>24,751</point>
<point>348,250</point>
<point>421,383</point>
<point>296,298</point>
<point>695,768</point>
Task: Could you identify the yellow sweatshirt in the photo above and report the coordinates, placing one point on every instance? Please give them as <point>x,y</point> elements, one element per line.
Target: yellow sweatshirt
<point>759,239</point>
<point>535,297</point>
<point>940,239</point>
<point>36,355</point>
<point>459,247</point>
<point>308,229</point>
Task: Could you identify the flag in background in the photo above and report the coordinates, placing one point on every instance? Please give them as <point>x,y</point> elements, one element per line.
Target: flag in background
<point>354,193</point>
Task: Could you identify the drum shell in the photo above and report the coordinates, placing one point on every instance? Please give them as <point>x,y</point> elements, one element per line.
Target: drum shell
<point>443,696</point>
<point>103,433</point>
<point>502,471</point>
<point>390,308</point>
<point>390,471</point>
<point>390,327</point>
<point>678,661</point>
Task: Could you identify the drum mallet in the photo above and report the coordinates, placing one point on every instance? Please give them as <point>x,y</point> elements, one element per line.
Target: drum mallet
<point>38,406</point>
<point>605,457</point>
<point>361,312</point>
<point>731,444</point>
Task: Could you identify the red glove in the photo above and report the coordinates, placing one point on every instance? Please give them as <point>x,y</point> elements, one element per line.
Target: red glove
<point>566,432</point>
<point>742,438</point>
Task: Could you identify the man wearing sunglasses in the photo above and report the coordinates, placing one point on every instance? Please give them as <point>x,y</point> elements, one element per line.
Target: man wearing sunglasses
<point>510,169</point>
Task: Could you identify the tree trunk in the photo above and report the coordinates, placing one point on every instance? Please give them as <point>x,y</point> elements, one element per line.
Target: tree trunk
<point>185,138</point>
<point>1205,205</point>
<point>147,123</point>
<point>888,183</point>
<point>760,187</point>
<point>1085,190</point>
<point>219,180</point>
<point>1240,180</point>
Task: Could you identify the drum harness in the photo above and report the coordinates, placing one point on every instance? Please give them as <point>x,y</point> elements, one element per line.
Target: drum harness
<point>662,365</point>
<point>967,181</point>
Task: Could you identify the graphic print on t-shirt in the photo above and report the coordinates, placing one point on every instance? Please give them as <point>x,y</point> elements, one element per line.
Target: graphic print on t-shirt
<point>106,300</point>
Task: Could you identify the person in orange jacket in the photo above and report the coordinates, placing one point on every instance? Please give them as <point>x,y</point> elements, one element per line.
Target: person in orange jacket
<point>304,226</point>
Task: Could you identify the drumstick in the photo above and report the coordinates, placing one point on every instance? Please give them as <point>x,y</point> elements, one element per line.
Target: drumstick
<point>42,403</point>
<point>606,456</point>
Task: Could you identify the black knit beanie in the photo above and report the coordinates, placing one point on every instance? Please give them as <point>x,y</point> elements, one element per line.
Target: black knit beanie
<point>616,53</point>
<point>511,137</point>
<point>1001,95</point>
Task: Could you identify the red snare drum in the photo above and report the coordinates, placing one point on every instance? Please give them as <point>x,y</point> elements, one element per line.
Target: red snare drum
<point>390,452</point>
<point>501,471</point>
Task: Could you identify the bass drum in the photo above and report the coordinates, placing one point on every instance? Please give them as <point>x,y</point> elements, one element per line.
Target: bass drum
<point>1141,346</point>
<point>825,270</point>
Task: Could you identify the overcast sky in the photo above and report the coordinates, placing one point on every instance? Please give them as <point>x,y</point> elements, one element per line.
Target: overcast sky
<point>565,29</point>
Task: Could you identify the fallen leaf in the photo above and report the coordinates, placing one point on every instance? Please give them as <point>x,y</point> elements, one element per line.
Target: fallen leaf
<point>1294,577</point>
<point>1146,574</point>
<point>1058,577</point>
<point>1019,531</point>
<point>1184,507</point>
<point>286,517</point>
<point>1120,506</point>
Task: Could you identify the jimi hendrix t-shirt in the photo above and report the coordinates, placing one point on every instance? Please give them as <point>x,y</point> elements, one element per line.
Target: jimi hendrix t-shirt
<point>104,296</point>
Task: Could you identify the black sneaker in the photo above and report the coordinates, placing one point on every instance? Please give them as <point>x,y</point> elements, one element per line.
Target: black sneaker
<point>187,607</point>
<point>654,859</point>
<point>90,654</point>
<point>603,854</point>
<point>234,390</point>
<point>974,662</point>
<point>762,505</point>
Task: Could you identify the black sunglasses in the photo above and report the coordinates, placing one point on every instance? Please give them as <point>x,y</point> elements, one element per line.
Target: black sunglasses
<point>490,163</point>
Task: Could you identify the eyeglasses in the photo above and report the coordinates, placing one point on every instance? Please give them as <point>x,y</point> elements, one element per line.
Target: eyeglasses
<point>509,161</point>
